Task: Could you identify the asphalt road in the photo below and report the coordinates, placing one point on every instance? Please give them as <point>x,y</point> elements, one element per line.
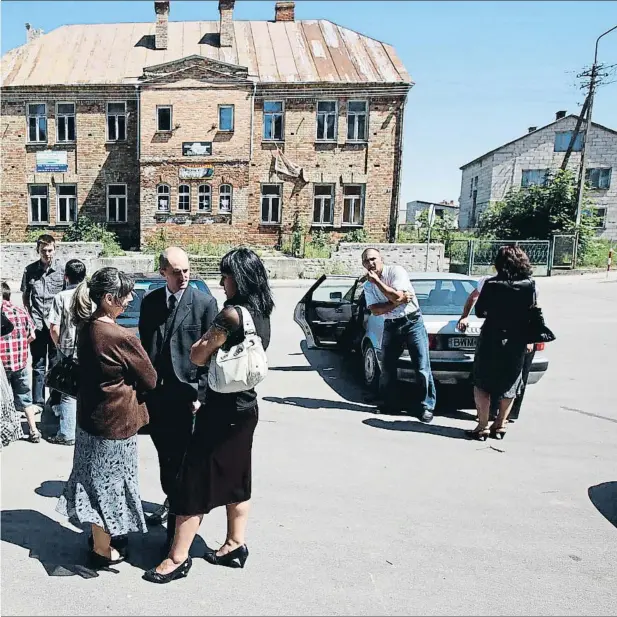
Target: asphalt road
<point>360,514</point>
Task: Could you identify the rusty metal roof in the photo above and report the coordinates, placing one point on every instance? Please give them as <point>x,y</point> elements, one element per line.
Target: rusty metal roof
<point>273,52</point>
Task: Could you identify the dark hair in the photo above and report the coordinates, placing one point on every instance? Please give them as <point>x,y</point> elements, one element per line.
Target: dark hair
<point>75,271</point>
<point>512,263</point>
<point>6,291</point>
<point>251,279</point>
<point>45,239</point>
<point>104,281</point>
<point>370,248</point>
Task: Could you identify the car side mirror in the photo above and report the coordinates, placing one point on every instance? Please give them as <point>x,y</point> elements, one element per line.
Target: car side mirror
<point>336,296</point>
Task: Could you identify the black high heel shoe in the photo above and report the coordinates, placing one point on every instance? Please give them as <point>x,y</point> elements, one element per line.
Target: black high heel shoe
<point>120,543</point>
<point>182,571</point>
<point>100,562</point>
<point>480,434</point>
<point>234,559</point>
<point>498,433</point>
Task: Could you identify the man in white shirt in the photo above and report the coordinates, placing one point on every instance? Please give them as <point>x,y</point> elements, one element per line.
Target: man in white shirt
<point>389,293</point>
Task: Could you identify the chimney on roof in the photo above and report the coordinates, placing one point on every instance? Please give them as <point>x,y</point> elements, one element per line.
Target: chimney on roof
<point>531,129</point>
<point>284,11</point>
<point>161,8</point>
<point>226,10</point>
<point>560,114</point>
<point>32,33</point>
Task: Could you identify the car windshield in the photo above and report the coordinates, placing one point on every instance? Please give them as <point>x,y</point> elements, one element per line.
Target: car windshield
<point>143,286</point>
<point>443,296</point>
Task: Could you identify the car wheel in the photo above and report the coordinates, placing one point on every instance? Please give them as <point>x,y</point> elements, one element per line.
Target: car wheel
<point>370,368</point>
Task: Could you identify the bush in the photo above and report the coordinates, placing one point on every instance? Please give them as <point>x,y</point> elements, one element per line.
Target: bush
<point>356,236</point>
<point>86,230</point>
<point>594,253</point>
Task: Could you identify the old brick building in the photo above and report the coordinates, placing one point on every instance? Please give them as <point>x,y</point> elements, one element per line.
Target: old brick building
<point>214,131</point>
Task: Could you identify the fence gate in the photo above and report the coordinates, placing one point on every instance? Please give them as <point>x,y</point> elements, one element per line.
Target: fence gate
<point>477,257</point>
<point>563,252</point>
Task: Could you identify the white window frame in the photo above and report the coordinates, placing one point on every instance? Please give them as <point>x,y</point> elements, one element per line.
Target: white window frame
<point>160,194</point>
<point>321,199</point>
<point>37,116</point>
<point>184,194</point>
<point>354,115</point>
<point>65,115</point>
<point>116,116</point>
<point>231,198</point>
<point>116,198</point>
<point>171,118</point>
<point>609,173</point>
<point>233,118</point>
<point>270,198</point>
<point>326,114</point>
<point>201,193</point>
<point>38,199</point>
<point>273,113</point>
<point>354,198</point>
<point>65,197</point>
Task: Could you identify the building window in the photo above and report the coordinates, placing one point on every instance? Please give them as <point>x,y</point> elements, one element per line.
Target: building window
<point>163,197</point>
<point>184,198</point>
<point>67,203</point>
<point>353,204</point>
<point>326,120</point>
<point>473,186</point>
<point>116,203</point>
<point>356,120</point>
<point>39,203</point>
<point>323,204</point>
<point>65,121</point>
<point>163,118</point>
<point>534,177</point>
<point>225,198</point>
<point>116,121</point>
<point>205,197</point>
<point>562,141</point>
<point>37,123</point>
<point>598,178</point>
<point>273,120</point>
<point>226,118</point>
<point>271,203</point>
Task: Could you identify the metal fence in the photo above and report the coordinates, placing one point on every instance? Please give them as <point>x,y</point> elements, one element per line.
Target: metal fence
<point>563,252</point>
<point>476,257</point>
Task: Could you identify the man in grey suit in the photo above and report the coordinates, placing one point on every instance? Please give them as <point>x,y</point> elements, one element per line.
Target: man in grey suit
<point>171,320</point>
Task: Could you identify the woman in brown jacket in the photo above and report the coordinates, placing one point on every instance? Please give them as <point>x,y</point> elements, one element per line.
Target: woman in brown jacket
<point>115,373</point>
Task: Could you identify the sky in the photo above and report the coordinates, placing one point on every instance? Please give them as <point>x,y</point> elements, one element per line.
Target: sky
<point>483,71</point>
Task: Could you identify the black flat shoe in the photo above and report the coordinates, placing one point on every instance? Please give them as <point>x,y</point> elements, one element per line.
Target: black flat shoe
<point>234,559</point>
<point>182,571</point>
<point>120,543</point>
<point>100,562</point>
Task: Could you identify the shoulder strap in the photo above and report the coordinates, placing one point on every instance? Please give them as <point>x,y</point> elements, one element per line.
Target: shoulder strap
<point>247,322</point>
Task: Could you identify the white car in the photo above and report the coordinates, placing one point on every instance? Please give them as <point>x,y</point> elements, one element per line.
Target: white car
<point>333,315</point>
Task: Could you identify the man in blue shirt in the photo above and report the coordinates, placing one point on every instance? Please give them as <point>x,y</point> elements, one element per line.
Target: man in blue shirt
<point>389,293</point>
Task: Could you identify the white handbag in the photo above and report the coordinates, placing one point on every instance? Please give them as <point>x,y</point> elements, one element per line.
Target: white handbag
<point>243,366</point>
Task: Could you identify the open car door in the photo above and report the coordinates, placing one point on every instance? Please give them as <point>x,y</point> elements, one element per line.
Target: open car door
<point>327,310</point>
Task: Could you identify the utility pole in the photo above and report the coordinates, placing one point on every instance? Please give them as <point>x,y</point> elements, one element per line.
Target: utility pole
<point>592,86</point>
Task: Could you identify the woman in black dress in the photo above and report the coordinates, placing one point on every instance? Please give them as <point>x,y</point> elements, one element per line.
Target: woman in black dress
<point>504,302</point>
<point>217,466</point>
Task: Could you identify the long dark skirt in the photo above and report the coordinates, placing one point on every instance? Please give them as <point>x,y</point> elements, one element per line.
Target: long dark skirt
<point>217,467</point>
<point>498,363</point>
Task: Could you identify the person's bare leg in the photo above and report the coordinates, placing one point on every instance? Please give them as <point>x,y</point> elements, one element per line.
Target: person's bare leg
<point>186,530</point>
<point>483,406</point>
<point>102,544</point>
<point>505,407</point>
<point>30,412</point>
<point>237,518</point>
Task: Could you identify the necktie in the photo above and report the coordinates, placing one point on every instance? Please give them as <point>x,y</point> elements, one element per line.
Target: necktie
<point>170,315</point>
<point>172,303</point>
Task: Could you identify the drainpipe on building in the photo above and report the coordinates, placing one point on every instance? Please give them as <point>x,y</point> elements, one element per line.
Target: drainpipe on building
<point>396,185</point>
<point>138,123</point>
<point>252,119</point>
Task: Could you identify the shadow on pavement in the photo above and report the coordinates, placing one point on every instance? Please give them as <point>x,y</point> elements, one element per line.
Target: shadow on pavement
<point>51,488</point>
<point>416,427</point>
<point>317,403</point>
<point>604,498</point>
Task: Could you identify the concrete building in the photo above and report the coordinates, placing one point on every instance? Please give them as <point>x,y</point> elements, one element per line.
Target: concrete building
<point>211,130</point>
<point>409,215</point>
<point>526,161</point>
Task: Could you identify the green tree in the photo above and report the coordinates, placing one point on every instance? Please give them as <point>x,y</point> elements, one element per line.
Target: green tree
<point>86,230</point>
<point>539,212</point>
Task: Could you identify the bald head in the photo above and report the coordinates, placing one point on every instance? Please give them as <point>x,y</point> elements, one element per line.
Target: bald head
<point>372,261</point>
<point>174,266</point>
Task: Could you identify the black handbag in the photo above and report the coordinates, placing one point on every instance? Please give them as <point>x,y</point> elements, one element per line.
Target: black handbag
<point>538,331</point>
<point>63,376</point>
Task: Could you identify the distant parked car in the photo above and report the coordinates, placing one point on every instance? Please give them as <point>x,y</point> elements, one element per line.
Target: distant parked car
<point>333,315</point>
<point>144,284</point>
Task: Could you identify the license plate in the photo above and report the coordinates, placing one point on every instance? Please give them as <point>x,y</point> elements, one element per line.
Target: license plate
<point>462,342</point>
